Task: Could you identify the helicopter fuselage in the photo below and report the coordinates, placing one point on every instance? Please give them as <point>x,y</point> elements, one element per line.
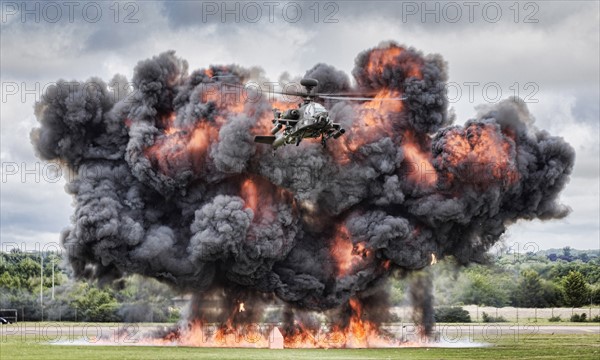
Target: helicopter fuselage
<point>310,120</point>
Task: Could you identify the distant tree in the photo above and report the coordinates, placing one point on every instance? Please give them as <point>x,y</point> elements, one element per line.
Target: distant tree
<point>552,257</point>
<point>487,318</point>
<point>553,294</point>
<point>9,282</point>
<point>143,299</point>
<point>566,256</point>
<point>483,289</point>
<point>576,289</point>
<point>589,270</point>
<point>452,315</point>
<point>28,268</point>
<point>578,318</point>
<point>26,301</point>
<point>95,304</point>
<point>397,294</point>
<point>596,295</point>
<point>529,291</point>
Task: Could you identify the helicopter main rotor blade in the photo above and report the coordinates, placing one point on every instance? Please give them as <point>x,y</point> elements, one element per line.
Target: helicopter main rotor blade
<point>361,98</point>
<point>290,93</point>
<point>335,96</point>
<point>352,94</point>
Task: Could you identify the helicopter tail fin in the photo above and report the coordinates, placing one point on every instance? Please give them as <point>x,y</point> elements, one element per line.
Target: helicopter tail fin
<point>264,139</point>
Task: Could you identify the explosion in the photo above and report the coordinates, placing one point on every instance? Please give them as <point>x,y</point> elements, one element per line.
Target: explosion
<point>169,184</point>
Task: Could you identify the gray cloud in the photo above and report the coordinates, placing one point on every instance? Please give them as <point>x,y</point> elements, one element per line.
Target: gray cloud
<point>560,53</point>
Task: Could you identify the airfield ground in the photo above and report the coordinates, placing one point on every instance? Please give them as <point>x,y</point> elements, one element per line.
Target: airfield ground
<point>568,341</point>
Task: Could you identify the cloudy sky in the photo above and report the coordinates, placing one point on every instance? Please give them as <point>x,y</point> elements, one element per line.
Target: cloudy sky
<point>545,52</point>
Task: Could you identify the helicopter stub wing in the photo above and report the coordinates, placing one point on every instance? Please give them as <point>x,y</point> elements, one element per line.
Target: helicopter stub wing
<point>264,139</point>
<point>336,126</point>
<point>285,122</point>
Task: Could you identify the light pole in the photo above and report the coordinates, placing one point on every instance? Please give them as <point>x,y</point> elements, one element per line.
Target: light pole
<point>52,278</point>
<point>42,283</point>
<point>591,303</point>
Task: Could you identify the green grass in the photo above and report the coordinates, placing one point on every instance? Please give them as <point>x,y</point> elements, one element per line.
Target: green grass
<point>90,323</point>
<point>532,347</point>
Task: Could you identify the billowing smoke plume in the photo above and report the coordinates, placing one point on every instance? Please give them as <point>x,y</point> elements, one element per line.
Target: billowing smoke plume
<point>422,299</point>
<point>169,183</point>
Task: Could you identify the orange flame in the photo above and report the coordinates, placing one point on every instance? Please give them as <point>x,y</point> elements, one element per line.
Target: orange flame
<point>359,329</point>
<point>372,123</point>
<point>422,171</point>
<point>379,59</point>
<point>342,250</point>
<point>486,152</point>
<point>358,333</point>
<point>249,193</point>
<point>199,334</point>
<point>346,255</point>
<point>386,264</point>
<point>177,145</point>
<point>262,196</point>
<point>382,106</point>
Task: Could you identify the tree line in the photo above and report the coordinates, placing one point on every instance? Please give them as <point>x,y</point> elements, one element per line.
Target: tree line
<point>532,280</point>
<point>27,288</point>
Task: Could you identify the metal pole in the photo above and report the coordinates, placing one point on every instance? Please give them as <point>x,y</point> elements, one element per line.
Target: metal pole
<point>53,279</point>
<point>42,284</point>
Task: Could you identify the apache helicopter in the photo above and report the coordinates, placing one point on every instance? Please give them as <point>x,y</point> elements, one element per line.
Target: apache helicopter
<point>310,120</point>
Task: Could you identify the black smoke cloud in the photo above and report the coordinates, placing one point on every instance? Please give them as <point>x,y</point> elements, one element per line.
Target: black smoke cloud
<point>176,206</point>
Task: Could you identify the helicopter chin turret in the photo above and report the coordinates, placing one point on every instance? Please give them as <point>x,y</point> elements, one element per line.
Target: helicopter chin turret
<point>323,119</point>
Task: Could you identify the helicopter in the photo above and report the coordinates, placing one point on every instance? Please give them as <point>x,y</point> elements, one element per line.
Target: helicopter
<point>309,120</point>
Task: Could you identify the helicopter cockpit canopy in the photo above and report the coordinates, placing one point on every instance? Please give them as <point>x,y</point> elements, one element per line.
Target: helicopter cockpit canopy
<point>313,109</point>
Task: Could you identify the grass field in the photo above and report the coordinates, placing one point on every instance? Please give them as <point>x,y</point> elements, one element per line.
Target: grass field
<point>584,346</point>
